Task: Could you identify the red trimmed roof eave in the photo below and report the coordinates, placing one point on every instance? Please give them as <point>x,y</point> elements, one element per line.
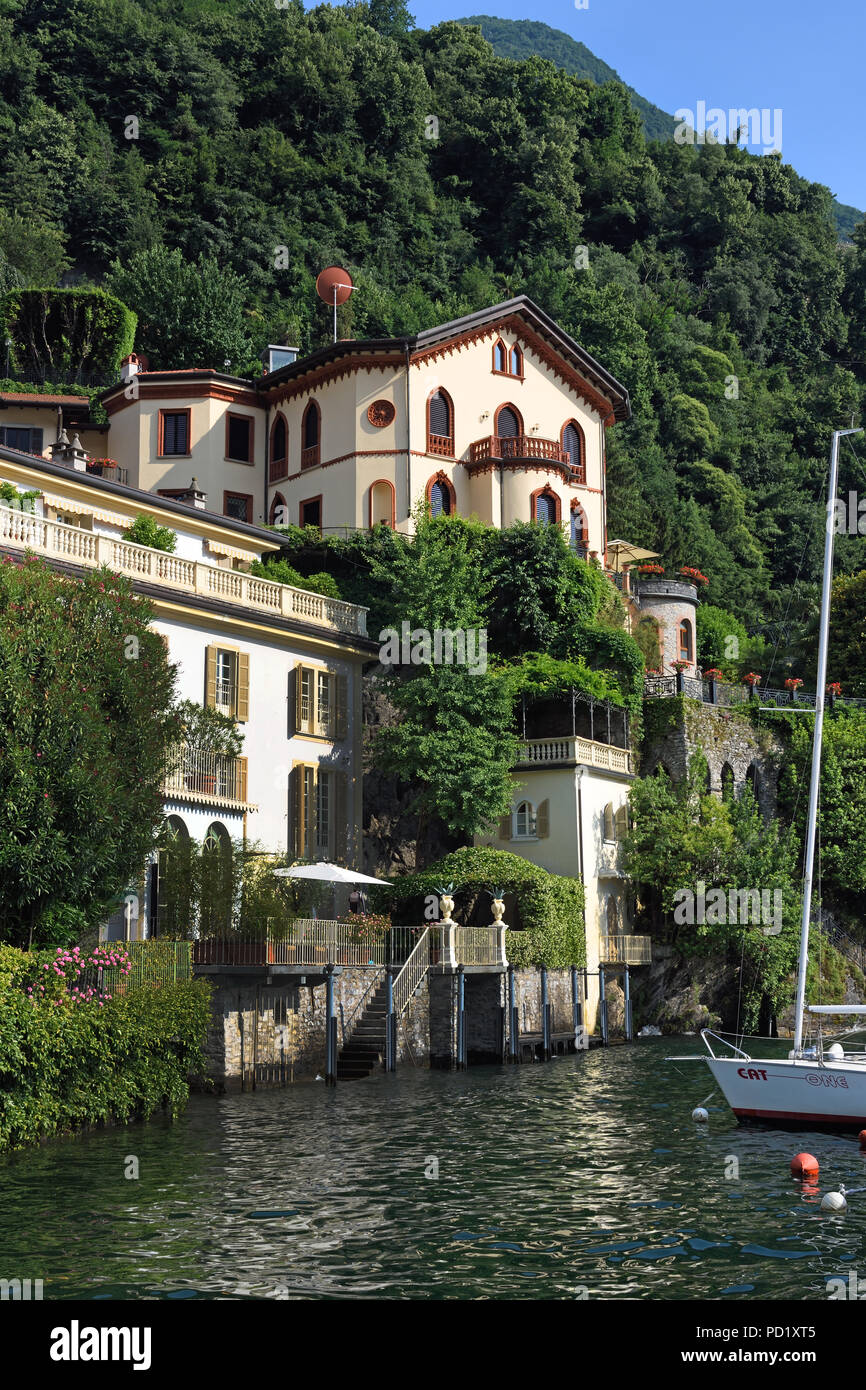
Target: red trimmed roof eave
<point>36,398</point>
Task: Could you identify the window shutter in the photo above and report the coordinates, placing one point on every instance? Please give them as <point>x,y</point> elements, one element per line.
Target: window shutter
<point>310,809</point>
<point>210,664</point>
<point>243,709</point>
<point>609,830</point>
<point>542,820</point>
<point>505,827</point>
<point>622,822</point>
<point>241,781</point>
<point>341,812</point>
<point>296,816</point>
<point>342,706</point>
<point>293,703</point>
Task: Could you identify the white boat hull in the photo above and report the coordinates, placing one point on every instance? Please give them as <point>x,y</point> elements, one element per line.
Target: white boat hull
<point>798,1092</point>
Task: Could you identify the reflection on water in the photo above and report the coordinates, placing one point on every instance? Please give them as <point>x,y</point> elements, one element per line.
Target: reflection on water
<point>582,1178</point>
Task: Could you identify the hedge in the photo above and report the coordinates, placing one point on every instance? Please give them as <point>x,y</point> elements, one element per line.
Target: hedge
<point>62,332</point>
<point>550,905</point>
<point>64,1067</point>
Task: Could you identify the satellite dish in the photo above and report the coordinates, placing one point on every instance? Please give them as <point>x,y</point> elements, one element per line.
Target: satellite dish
<point>334,285</point>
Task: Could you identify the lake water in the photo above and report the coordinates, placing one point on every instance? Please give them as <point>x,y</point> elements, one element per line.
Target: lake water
<point>585,1177</point>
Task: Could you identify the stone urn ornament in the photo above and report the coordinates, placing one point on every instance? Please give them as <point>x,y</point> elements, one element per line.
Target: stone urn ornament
<point>498,906</point>
<point>446,905</point>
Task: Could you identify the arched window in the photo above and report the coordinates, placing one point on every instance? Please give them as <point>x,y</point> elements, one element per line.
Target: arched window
<point>685,640</point>
<point>440,424</point>
<point>545,506</point>
<point>727,782</point>
<point>515,361</point>
<point>310,435</point>
<point>573,446</point>
<point>279,461</point>
<point>578,530</point>
<point>279,513</point>
<point>508,424</point>
<point>500,356</point>
<point>170,909</point>
<point>753,780</point>
<point>382,503</point>
<point>524,821</point>
<point>609,823</point>
<point>217,889</point>
<point>440,495</point>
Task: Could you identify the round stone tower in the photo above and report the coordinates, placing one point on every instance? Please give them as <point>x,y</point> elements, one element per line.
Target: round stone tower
<point>673,604</point>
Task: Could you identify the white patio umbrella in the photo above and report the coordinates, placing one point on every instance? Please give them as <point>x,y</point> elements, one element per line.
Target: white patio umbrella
<point>329,873</point>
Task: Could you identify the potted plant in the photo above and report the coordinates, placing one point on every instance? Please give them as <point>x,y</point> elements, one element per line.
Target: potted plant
<point>834,690</point>
<point>649,571</point>
<point>793,684</point>
<point>680,667</point>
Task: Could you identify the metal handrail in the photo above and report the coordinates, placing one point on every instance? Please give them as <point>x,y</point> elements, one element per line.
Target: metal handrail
<point>413,970</point>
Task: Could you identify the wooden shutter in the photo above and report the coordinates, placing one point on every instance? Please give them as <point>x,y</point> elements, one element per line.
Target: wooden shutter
<point>341,714</point>
<point>243,709</point>
<point>542,820</point>
<point>505,827</point>
<point>210,668</point>
<point>311,811</point>
<point>241,783</point>
<point>622,822</point>
<point>340,804</point>
<point>293,703</point>
<point>297,811</point>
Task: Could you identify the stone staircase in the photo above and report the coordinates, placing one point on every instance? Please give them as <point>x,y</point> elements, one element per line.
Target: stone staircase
<point>365,1049</point>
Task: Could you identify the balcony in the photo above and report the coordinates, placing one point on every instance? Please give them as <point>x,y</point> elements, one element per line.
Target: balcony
<point>56,540</point>
<point>311,945</point>
<point>570,751</point>
<point>625,950</point>
<point>208,778</point>
<point>310,456</point>
<point>112,471</point>
<point>442,445</point>
<point>520,448</point>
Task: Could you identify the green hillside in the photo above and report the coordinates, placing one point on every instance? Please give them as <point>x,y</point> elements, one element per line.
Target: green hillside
<point>204,164</point>
<point>521,38</point>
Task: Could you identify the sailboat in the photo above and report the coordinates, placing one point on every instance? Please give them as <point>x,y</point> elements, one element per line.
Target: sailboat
<point>811,1087</point>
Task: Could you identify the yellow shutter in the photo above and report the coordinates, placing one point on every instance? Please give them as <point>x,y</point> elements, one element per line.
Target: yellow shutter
<point>340,785</point>
<point>505,827</point>
<point>542,820</point>
<point>210,665</point>
<point>342,702</point>
<point>241,782</point>
<point>243,710</point>
<point>622,823</point>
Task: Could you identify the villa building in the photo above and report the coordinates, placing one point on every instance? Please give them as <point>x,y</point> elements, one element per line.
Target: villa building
<point>284,663</point>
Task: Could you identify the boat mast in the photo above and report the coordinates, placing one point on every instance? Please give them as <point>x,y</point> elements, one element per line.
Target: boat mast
<point>812,817</point>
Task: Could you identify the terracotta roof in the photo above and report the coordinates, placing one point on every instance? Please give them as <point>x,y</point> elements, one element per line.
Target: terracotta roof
<point>39,398</point>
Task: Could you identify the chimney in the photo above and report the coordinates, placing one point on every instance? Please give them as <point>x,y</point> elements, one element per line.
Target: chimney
<point>77,456</point>
<point>193,497</point>
<point>133,364</point>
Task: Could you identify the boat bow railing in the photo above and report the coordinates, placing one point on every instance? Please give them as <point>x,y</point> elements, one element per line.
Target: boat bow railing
<point>706,1035</point>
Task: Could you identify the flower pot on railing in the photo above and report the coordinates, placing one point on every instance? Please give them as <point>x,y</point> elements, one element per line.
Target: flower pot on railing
<point>834,690</point>
<point>793,684</point>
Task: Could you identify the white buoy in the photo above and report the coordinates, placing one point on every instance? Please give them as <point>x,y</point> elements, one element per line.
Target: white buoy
<point>834,1201</point>
<point>699,1113</point>
<point>837,1052</point>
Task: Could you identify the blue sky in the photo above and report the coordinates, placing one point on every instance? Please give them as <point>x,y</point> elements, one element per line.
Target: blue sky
<point>805,57</point>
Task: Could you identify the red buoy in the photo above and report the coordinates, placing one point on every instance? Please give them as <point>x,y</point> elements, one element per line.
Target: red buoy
<point>804,1166</point>
<point>862,1137</point>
